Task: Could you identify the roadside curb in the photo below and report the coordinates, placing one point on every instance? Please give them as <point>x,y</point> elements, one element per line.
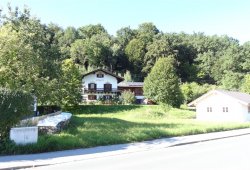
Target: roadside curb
<point>52,158</point>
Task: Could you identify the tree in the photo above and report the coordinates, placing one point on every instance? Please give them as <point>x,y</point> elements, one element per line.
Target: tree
<point>146,31</point>
<point>245,87</point>
<point>127,76</point>
<point>67,37</point>
<point>28,58</point>
<point>160,47</point>
<point>70,92</point>
<point>125,35</point>
<point>193,90</point>
<point>90,30</point>
<point>231,80</point>
<point>162,85</point>
<point>135,51</point>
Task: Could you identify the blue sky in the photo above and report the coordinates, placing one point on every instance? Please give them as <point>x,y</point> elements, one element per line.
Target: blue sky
<point>231,17</point>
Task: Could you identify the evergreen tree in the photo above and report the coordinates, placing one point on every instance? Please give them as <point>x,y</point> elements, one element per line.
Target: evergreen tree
<point>161,85</point>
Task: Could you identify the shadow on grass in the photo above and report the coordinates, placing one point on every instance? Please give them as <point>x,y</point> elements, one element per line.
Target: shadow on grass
<point>100,109</point>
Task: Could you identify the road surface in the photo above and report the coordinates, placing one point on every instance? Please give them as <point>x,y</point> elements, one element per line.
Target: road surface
<point>224,154</point>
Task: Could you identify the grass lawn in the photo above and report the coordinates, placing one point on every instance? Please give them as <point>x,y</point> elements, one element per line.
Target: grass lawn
<point>95,125</point>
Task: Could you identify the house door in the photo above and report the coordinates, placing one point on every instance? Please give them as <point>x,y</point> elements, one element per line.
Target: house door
<point>107,87</point>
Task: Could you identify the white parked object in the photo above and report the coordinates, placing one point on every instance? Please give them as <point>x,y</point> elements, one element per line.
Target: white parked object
<point>24,135</point>
<point>53,121</point>
<point>222,105</point>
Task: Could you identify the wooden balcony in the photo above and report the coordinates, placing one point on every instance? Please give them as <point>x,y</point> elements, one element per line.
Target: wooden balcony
<point>101,90</point>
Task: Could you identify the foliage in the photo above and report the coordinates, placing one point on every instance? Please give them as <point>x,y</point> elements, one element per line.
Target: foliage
<point>70,91</point>
<point>114,100</point>
<point>14,105</point>
<point>127,76</point>
<point>127,97</point>
<point>232,80</point>
<point>245,87</point>
<point>99,125</point>
<point>28,59</point>
<point>162,85</point>
<point>193,90</point>
<point>135,51</point>
<point>32,54</point>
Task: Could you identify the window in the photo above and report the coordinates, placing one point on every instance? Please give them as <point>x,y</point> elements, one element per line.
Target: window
<point>99,75</point>
<point>92,86</point>
<point>91,97</point>
<point>209,109</point>
<point>107,97</point>
<point>107,87</point>
<point>225,109</point>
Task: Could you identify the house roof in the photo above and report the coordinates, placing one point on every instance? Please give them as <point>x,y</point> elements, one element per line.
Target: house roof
<point>241,97</point>
<point>105,71</point>
<point>130,84</point>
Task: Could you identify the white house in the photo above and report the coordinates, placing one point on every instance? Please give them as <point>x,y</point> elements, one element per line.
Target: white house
<point>99,83</point>
<point>222,105</point>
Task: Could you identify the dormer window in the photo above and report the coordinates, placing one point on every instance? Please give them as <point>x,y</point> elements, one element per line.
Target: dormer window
<point>99,75</point>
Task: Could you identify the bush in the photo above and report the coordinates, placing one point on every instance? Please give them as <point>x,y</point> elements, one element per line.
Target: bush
<point>114,100</point>
<point>127,97</point>
<point>14,105</point>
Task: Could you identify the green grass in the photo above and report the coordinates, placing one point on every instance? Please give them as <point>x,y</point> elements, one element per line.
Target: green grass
<point>95,125</point>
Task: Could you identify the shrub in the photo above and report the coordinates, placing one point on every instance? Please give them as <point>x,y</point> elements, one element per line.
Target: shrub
<point>127,97</point>
<point>14,105</point>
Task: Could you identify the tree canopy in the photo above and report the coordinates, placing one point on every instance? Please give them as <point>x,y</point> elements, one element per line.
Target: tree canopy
<point>162,84</point>
<point>32,54</point>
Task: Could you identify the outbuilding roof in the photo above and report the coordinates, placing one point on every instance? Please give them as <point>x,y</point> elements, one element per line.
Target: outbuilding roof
<point>105,71</point>
<point>130,84</point>
<point>244,98</point>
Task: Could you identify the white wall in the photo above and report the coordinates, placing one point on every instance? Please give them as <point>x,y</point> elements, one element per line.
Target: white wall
<point>236,110</point>
<point>92,78</point>
<point>24,135</point>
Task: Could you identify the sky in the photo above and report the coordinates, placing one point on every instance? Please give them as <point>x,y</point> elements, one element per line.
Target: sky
<point>221,17</point>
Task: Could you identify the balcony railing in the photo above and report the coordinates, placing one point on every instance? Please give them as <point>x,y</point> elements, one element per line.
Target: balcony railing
<point>101,90</point>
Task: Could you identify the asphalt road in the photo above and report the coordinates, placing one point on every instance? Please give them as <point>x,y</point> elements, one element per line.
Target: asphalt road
<point>224,154</point>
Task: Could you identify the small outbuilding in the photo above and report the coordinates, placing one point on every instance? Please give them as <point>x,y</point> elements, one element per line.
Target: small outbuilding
<point>222,105</point>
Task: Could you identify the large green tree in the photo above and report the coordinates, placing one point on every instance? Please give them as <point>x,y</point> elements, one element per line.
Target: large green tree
<point>28,57</point>
<point>162,84</point>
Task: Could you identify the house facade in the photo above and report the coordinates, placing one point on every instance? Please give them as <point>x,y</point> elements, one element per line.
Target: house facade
<point>222,105</point>
<point>135,87</point>
<point>100,83</point>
